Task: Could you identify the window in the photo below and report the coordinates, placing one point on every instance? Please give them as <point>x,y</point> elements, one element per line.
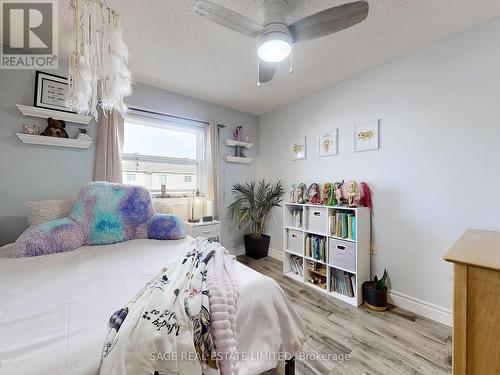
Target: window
<point>159,150</point>
<point>129,178</point>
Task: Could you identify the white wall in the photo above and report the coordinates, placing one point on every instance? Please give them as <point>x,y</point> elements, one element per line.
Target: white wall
<point>437,172</point>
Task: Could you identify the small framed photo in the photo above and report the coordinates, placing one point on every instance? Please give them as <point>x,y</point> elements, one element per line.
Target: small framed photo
<point>298,148</point>
<point>366,136</point>
<point>51,91</point>
<point>328,143</point>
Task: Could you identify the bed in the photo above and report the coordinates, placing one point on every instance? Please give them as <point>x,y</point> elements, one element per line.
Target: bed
<point>54,309</point>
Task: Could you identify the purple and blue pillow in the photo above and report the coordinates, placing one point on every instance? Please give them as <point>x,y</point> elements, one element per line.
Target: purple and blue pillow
<point>103,214</point>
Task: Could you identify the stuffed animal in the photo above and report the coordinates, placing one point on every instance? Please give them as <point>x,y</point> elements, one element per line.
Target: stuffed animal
<point>313,193</point>
<point>55,129</point>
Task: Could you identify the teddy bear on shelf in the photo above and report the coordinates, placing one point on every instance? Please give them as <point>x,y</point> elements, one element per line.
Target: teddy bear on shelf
<point>55,129</point>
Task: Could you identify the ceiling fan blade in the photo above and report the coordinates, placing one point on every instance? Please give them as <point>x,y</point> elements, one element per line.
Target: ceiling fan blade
<point>329,21</point>
<point>266,70</point>
<point>228,18</point>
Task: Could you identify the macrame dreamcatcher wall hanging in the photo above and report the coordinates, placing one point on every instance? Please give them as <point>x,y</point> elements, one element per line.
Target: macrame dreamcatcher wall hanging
<point>98,72</point>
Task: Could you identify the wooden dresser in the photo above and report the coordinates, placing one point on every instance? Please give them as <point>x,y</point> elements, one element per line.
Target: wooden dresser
<point>476,303</point>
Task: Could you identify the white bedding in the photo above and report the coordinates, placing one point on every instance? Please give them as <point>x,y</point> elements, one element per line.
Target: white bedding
<point>54,309</point>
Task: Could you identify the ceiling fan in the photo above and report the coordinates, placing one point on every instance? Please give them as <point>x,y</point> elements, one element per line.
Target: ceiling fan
<point>275,37</point>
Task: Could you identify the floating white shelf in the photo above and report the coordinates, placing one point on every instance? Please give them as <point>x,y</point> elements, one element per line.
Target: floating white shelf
<point>53,141</point>
<point>233,143</point>
<point>57,115</point>
<point>237,159</point>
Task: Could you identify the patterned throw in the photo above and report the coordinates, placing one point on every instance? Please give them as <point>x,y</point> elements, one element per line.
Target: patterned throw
<point>103,214</point>
<point>168,327</point>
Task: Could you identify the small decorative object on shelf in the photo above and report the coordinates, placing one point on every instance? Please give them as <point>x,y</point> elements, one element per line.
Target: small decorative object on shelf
<point>301,194</point>
<point>31,129</point>
<point>55,128</point>
<point>313,194</point>
<point>82,135</point>
<point>238,136</point>
<point>375,293</point>
<point>353,195</point>
<point>291,195</point>
<point>51,91</point>
<point>337,191</point>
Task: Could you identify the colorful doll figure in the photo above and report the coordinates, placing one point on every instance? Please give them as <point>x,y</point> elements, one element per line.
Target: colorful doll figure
<point>337,191</point>
<point>327,194</point>
<point>353,194</point>
<point>301,194</point>
<point>313,194</point>
<point>238,133</point>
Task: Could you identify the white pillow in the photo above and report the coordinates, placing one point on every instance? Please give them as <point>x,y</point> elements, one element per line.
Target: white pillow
<point>42,211</point>
<point>161,206</point>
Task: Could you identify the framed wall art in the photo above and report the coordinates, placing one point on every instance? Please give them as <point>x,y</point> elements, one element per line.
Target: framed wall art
<point>366,136</point>
<point>328,143</point>
<point>50,91</point>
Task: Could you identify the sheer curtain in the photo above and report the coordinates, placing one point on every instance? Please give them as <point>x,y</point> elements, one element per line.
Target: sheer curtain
<point>211,159</point>
<point>108,163</point>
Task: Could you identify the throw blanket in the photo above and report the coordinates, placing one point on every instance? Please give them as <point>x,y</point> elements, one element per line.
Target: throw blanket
<point>168,328</point>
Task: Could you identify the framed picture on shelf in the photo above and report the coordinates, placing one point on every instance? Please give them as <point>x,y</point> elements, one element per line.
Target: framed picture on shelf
<point>50,91</point>
<point>366,136</point>
<point>298,148</point>
<point>328,143</point>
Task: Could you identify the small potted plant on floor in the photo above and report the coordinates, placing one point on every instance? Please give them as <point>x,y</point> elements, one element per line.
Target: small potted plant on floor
<point>375,293</point>
<point>252,205</point>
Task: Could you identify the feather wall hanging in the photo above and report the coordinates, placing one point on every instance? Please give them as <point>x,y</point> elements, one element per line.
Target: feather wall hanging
<point>98,72</point>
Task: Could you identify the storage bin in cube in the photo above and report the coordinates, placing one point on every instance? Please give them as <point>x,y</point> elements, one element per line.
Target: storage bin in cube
<point>342,254</point>
<point>316,219</point>
<point>295,241</point>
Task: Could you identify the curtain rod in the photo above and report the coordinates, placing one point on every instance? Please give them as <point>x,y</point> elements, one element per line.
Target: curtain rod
<point>143,110</point>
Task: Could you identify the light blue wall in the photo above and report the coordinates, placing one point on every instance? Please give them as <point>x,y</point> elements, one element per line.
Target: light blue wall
<point>29,172</point>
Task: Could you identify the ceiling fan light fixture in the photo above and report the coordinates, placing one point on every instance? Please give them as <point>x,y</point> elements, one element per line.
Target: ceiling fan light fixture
<point>274,47</point>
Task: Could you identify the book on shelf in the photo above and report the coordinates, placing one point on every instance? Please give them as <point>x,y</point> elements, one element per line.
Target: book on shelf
<point>296,264</point>
<point>297,215</point>
<point>315,247</point>
<point>342,225</point>
<point>342,282</point>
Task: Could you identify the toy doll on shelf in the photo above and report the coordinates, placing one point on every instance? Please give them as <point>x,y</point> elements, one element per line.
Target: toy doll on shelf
<point>301,194</point>
<point>313,193</point>
<point>327,195</point>
<point>353,194</point>
<point>238,136</point>
<point>292,194</point>
<point>337,191</point>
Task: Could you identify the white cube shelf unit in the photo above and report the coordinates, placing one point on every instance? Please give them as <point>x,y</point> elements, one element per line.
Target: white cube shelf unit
<point>318,254</point>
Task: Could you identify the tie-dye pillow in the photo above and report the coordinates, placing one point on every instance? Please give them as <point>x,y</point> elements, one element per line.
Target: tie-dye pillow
<point>103,214</point>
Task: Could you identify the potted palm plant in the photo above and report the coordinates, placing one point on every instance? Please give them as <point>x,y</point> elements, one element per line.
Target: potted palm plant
<point>253,203</point>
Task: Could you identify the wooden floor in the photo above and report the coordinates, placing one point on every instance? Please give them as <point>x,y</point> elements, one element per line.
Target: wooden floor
<point>393,342</point>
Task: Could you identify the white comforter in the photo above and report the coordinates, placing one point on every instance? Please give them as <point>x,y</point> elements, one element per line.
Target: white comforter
<point>54,309</point>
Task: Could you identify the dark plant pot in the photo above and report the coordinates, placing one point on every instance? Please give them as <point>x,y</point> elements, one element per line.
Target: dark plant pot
<point>257,247</point>
<point>375,299</point>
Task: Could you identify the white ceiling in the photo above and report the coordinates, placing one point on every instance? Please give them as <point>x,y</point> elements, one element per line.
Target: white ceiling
<point>173,48</point>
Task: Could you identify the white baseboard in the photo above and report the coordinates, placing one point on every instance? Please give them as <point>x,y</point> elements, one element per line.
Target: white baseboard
<point>276,254</point>
<point>273,253</point>
<point>426,309</point>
